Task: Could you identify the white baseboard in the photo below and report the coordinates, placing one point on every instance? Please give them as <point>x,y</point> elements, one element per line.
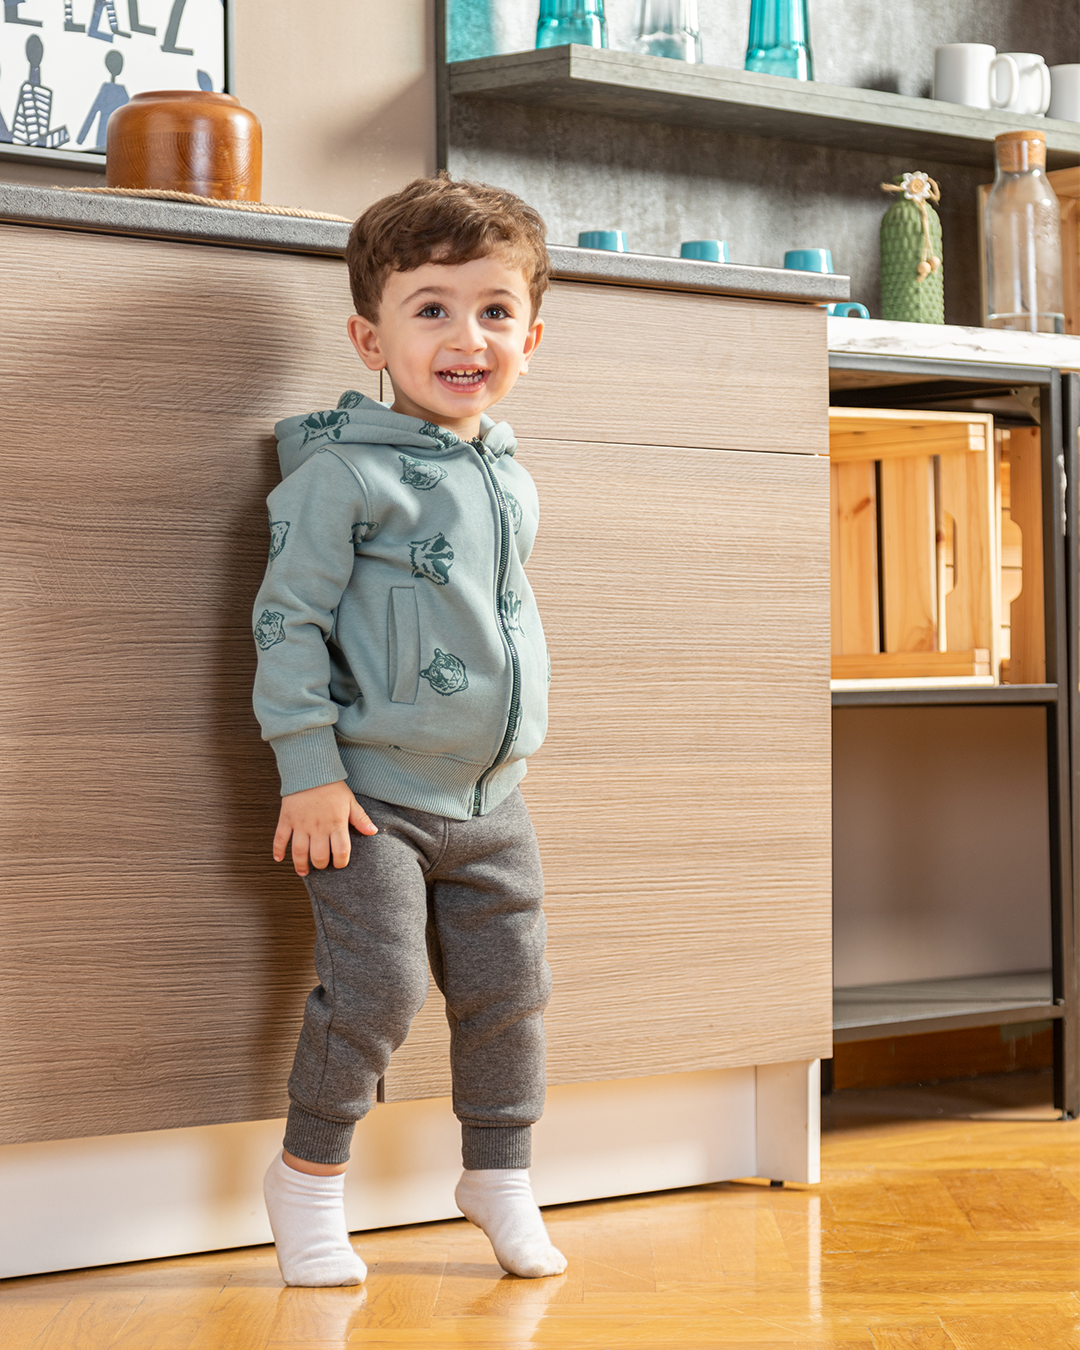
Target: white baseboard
<point>133,1197</point>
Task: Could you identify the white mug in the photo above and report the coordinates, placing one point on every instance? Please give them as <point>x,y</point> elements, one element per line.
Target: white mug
<point>1032,98</point>
<point>965,72</point>
<point>1065,93</point>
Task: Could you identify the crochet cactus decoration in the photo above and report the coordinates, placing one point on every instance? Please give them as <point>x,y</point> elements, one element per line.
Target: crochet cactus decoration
<point>912,286</point>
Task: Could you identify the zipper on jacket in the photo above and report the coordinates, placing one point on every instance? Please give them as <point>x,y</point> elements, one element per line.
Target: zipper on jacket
<point>514,714</point>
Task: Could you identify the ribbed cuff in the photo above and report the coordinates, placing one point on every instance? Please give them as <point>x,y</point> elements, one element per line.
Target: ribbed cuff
<point>308,759</point>
<point>487,1146</point>
<point>317,1140</point>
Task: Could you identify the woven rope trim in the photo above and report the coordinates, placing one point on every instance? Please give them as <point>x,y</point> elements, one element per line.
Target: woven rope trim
<point>168,195</point>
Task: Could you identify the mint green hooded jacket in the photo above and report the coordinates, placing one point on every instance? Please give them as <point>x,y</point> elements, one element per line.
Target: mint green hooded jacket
<point>399,644</point>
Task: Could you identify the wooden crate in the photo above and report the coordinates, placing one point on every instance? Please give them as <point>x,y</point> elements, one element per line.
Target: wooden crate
<point>1066,183</point>
<point>915,545</point>
<point>1020,551</point>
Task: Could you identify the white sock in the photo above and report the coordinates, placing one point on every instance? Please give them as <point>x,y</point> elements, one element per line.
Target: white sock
<point>307,1216</point>
<point>500,1201</point>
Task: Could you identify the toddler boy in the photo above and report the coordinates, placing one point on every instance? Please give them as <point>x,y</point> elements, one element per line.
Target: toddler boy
<point>402,683</point>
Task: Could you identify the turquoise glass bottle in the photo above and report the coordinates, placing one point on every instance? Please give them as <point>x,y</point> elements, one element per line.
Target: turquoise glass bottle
<point>780,39</point>
<point>470,29</point>
<point>563,21</point>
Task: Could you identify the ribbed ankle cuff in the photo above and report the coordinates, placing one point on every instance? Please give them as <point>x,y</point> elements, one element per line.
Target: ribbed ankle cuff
<point>487,1146</point>
<point>316,1140</point>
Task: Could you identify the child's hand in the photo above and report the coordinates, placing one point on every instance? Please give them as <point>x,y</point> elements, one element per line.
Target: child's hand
<point>318,821</point>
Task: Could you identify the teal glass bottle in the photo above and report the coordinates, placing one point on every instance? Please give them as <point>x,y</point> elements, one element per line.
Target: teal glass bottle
<point>563,21</point>
<point>780,39</point>
<point>470,29</point>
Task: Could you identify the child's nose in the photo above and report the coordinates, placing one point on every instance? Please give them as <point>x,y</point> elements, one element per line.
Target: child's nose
<point>468,336</point>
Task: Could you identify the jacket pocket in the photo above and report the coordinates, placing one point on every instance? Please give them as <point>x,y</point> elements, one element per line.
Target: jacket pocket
<point>403,632</point>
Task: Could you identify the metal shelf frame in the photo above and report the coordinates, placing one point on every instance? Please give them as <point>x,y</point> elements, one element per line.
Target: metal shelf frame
<point>1059,418</point>
<point>978,696</point>
<point>878,1011</point>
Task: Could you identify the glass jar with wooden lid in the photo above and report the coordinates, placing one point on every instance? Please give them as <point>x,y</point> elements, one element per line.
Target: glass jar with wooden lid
<point>1023,239</point>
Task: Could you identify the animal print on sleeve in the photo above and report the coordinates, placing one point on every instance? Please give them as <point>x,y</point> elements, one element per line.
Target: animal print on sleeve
<point>270,629</point>
<point>278,530</point>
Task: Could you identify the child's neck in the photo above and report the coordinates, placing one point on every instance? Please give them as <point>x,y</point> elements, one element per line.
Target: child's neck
<point>464,428</point>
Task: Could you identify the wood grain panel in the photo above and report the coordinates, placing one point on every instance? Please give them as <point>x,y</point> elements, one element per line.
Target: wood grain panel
<point>908,562</point>
<point>853,513</point>
<point>1066,185</point>
<point>973,606</point>
<point>682,795</point>
<point>664,368</point>
<point>1027,659</point>
<point>153,961</point>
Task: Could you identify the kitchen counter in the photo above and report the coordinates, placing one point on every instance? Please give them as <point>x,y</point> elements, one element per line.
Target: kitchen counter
<point>149,217</point>
<point>951,342</point>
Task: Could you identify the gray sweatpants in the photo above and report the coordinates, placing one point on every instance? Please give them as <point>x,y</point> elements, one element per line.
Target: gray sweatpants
<point>464,895</point>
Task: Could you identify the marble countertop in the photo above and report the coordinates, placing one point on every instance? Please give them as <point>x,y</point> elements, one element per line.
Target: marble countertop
<point>950,342</point>
<point>61,208</point>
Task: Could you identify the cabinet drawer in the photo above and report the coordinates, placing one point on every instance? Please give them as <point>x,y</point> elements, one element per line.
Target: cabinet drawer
<point>668,368</point>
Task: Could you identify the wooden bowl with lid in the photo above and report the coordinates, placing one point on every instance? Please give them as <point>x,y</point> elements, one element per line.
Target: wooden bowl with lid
<point>186,140</point>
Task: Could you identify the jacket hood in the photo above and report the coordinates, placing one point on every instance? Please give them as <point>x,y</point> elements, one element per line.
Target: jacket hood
<point>359,420</point>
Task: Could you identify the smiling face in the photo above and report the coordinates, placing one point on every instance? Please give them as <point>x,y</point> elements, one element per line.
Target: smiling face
<point>453,339</point>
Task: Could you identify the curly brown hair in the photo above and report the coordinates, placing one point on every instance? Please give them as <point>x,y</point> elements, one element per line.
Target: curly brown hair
<point>439,220</point>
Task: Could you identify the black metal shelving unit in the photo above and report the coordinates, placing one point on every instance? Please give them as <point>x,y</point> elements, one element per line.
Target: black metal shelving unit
<point>876,1011</point>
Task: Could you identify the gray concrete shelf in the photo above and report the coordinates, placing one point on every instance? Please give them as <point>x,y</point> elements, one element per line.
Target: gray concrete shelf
<point>105,213</point>
<point>650,88</point>
<point>874,1011</point>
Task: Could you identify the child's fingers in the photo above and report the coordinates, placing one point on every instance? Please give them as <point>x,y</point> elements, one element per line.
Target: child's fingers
<point>319,849</point>
<point>360,820</point>
<point>339,845</point>
<point>300,850</point>
<point>281,840</point>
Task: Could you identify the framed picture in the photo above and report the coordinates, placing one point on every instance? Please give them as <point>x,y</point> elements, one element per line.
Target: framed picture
<point>65,65</point>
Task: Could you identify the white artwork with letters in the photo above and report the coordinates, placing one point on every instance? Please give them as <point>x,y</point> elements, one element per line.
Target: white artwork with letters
<point>65,65</point>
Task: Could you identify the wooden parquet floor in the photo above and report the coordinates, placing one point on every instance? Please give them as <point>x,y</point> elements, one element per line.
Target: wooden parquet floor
<point>947,1219</point>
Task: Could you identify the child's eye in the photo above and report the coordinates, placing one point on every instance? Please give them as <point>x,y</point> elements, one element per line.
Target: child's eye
<point>496,312</point>
<point>432,312</point>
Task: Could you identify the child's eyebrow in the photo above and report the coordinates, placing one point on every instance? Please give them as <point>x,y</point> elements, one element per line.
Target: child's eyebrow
<point>440,292</point>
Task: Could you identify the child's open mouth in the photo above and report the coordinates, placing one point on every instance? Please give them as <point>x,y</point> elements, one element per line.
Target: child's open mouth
<point>464,377</point>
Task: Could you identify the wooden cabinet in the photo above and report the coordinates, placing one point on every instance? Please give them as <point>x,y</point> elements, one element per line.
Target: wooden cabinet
<point>155,960</point>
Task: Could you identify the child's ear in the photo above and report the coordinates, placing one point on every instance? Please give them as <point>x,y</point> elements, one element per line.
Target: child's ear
<point>532,341</point>
<point>364,336</point>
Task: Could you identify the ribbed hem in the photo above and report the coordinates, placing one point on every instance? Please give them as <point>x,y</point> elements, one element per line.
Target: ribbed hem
<point>486,1146</point>
<point>440,784</point>
<point>315,1139</point>
<point>308,759</point>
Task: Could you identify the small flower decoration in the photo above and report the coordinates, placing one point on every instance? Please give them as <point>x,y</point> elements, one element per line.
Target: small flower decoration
<point>917,187</point>
<point>920,188</point>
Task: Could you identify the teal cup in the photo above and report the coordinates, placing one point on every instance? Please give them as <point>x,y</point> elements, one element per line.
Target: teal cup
<point>705,250</point>
<point>613,240</point>
<point>849,309</point>
<point>820,260</point>
<point>808,259</point>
